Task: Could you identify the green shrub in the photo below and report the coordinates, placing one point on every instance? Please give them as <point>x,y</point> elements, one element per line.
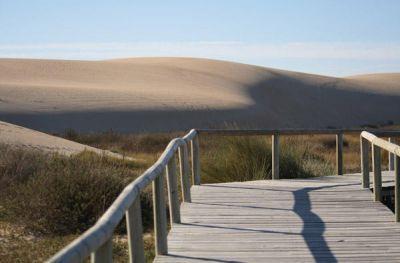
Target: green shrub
<point>53,194</point>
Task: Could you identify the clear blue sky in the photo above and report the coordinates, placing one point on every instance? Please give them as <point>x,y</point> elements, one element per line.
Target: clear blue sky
<point>334,37</point>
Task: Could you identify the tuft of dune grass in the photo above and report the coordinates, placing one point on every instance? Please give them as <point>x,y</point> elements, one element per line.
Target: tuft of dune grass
<point>249,158</point>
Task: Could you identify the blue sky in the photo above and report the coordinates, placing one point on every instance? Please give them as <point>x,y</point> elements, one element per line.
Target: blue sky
<point>333,37</point>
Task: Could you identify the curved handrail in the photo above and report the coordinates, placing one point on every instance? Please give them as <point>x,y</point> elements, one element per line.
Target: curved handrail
<point>102,231</point>
<point>378,144</point>
<point>99,235</point>
<point>388,146</point>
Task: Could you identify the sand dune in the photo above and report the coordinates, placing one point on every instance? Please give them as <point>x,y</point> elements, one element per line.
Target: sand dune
<point>15,135</point>
<point>164,94</point>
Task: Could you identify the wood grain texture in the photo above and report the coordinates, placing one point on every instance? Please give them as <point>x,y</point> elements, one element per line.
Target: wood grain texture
<point>173,192</point>
<point>103,254</point>
<point>376,158</point>
<point>135,232</point>
<point>324,219</point>
<point>184,172</point>
<point>195,160</point>
<point>339,153</point>
<point>160,216</point>
<point>275,156</point>
<point>364,149</point>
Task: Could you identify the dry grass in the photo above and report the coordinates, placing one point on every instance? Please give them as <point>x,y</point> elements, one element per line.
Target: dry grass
<point>33,226</point>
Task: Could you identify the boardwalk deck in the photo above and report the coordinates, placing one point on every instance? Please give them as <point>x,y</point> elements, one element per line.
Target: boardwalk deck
<point>326,219</point>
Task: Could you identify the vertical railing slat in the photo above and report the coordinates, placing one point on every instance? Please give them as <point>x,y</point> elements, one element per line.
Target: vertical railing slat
<point>397,188</point>
<point>160,216</point>
<point>391,157</point>
<point>364,145</point>
<point>275,157</point>
<point>135,232</point>
<point>103,254</point>
<point>184,172</point>
<point>376,155</point>
<point>173,194</point>
<point>195,160</point>
<point>339,153</point>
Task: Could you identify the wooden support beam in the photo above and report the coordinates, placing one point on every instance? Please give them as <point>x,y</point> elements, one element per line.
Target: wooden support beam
<point>135,232</point>
<point>391,157</point>
<point>184,171</point>
<point>173,193</point>
<point>397,188</point>
<point>103,254</point>
<point>376,156</point>
<point>275,157</point>
<point>195,160</point>
<point>160,216</point>
<point>339,153</point>
<point>364,145</point>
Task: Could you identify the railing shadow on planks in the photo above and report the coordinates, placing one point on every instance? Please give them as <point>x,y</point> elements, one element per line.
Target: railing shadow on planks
<point>96,242</point>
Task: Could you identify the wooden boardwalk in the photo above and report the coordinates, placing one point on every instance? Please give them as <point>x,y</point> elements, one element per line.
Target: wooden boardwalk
<point>326,219</point>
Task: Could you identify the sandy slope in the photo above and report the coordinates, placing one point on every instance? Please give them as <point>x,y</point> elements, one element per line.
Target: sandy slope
<point>162,94</point>
<point>22,137</point>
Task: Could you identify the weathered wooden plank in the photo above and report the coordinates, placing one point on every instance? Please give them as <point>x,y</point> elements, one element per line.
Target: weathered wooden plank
<point>184,172</point>
<point>339,153</point>
<point>103,254</point>
<point>364,145</point>
<point>376,156</point>
<point>391,156</point>
<point>195,160</point>
<point>305,220</point>
<point>135,232</point>
<point>397,188</point>
<point>275,156</point>
<point>160,217</point>
<point>173,194</point>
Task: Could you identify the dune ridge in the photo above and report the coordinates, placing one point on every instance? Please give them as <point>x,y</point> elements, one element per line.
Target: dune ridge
<point>18,136</point>
<point>168,94</point>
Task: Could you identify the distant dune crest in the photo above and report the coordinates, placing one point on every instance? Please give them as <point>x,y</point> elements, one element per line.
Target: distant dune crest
<point>165,94</point>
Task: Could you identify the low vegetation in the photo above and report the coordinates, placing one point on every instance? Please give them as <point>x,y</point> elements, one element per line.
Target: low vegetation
<point>46,200</point>
<point>49,197</point>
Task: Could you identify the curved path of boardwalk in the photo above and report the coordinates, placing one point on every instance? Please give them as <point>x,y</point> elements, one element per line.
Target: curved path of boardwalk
<point>326,219</point>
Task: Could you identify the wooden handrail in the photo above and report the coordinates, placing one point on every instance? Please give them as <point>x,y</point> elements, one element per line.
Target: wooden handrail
<point>275,133</point>
<point>287,131</point>
<point>97,241</point>
<point>377,145</point>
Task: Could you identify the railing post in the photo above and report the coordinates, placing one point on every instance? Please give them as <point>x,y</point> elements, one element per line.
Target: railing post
<point>173,194</point>
<point>195,160</point>
<point>135,232</point>
<point>339,153</point>
<point>103,254</point>
<point>391,157</point>
<point>376,155</point>
<point>160,216</point>
<point>184,171</point>
<point>364,145</point>
<point>397,188</point>
<point>275,156</point>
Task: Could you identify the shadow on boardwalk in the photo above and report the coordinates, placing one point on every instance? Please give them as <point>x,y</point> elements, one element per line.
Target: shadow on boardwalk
<point>313,226</point>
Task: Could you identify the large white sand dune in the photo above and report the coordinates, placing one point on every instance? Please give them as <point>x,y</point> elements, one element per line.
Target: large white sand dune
<point>164,94</point>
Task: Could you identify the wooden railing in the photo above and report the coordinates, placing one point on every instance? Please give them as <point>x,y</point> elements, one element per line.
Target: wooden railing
<point>97,241</point>
<point>378,145</point>
<point>275,135</point>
